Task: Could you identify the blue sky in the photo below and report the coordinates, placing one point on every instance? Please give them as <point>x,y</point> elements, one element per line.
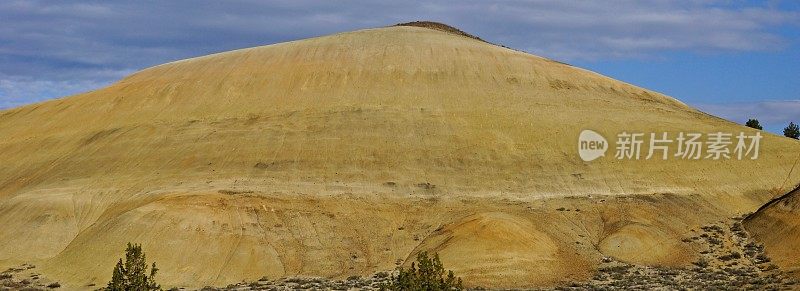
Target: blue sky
<point>732,58</point>
<point>736,86</point>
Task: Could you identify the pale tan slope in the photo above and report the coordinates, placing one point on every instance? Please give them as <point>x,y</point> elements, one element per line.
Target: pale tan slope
<point>777,226</point>
<point>326,146</point>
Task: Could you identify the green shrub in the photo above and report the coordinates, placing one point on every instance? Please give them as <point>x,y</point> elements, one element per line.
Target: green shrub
<point>132,275</point>
<point>427,273</point>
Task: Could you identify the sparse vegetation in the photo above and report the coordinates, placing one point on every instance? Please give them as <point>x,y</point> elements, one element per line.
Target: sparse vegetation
<point>730,256</point>
<point>792,131</point>
<point>719,267</point>
<point>132,275</point>
<point>427,273</point>
<point>440,27</point>
<point>702,263</point>
<point>753,123</point>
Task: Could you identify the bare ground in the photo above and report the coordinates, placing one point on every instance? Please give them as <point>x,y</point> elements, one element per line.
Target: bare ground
<point>729,260</point>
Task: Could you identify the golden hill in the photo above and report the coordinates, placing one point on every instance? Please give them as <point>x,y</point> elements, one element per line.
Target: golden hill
<point>344,154</point>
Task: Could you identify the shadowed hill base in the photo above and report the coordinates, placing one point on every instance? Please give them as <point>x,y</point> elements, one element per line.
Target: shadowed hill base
<point>777,226</point>
<point>347,154</point>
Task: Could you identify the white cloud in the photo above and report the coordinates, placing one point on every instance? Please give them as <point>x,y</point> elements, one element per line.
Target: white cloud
<point>773,115</point>
<point>51,43</point>
<point>618,28</point>
<point>16,91</point>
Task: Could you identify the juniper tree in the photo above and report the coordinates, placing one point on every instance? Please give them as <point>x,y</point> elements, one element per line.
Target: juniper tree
<point>792,131</point>
<point>427,273</point>
<point>753,123</point>
<point>132,275</point>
